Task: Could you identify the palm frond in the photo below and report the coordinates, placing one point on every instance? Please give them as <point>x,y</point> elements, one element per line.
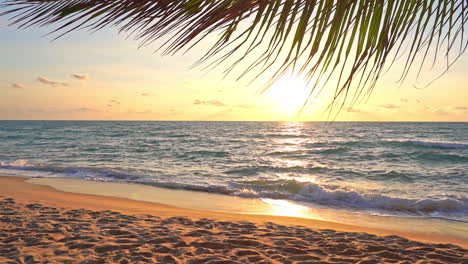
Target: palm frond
<point>352,40</point>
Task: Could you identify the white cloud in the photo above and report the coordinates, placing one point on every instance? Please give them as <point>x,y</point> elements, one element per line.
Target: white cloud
<point>441,112</point>
<point>354,110</point>
<point>84,109</point>
<point>211,102</point>
<point>52,83</point>
<point>390,106</point>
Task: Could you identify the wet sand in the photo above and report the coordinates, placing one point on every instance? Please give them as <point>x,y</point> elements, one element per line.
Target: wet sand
<point>40,224</point>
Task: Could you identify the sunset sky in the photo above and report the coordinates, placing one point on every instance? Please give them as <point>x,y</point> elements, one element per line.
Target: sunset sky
<point>104,76</point>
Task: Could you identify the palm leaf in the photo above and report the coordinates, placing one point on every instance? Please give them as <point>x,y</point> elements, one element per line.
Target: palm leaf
<point>351,39</point>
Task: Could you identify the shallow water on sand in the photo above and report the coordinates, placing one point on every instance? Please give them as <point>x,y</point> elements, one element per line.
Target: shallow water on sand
<point>205,201</point>
<point>410,169</point>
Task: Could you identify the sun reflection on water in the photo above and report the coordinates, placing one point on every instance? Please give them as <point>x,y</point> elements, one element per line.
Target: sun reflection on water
<point>286,208</point>
<point>289,144</point>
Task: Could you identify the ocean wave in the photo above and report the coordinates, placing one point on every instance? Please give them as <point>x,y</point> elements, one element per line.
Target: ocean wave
<point>441,157</point>
<point>276,135</point>
<point>331,151</point>
<point>288,189</point>
<point>286,153</point>
<point>218,154</point>
<point>86,173</point>
<point>256,170</point>
<point>177,136</point>
<point>190,187</point>
<point>445,145</point>
<point>431,144</point>
<point>338,197</point>
<point>12,137</point>
<point>391,175</point>
<point>117,135</point>
<point>333,195</point>
<point>339,144</point>
<point>20,163</point>
<point>349,198</point>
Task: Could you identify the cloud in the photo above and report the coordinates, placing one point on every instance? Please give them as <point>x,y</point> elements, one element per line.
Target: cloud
<point>390,106</point>
<point>84,109</point>
<point>354,110</point>
<point>210,103</point>
<point>404,100</point>
<point>81,77</point>
<point>52,83</point>
<point>18,85</point>
<point>461,108</point>
<point>441,112</point>
<point>221,104</point>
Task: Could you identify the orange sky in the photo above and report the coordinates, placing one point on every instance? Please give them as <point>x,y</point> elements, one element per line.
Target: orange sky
<point>105,77</point>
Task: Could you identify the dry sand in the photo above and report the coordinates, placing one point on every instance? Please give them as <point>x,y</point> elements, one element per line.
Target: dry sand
<point>41,225</point>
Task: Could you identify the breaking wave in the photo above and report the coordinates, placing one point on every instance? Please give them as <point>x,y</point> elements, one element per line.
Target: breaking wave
<point>324,194</point>
<point>432,144</point>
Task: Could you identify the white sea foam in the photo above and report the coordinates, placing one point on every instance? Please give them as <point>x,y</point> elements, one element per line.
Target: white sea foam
<point>277,189</point>
<point>17,163</point>
<point>348,198</point>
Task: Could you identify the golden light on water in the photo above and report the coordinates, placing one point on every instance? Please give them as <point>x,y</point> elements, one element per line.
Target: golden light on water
<point>286,208</point>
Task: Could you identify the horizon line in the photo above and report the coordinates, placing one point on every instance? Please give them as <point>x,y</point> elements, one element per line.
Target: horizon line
<point>272,121</point>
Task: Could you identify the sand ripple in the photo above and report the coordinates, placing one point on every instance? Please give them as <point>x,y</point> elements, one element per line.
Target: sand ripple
<point>35,233</point>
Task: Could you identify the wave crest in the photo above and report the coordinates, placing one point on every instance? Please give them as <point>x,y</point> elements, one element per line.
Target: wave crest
<point>446,145</point>
<point>431,144</point>
<point>20,163</point>
<point>325,194</point>
<point>340,197</point>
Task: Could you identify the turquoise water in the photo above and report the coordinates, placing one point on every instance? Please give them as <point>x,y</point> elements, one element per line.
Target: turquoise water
<point>414,169</point>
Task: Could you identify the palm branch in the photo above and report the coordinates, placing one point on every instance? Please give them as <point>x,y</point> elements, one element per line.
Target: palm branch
<point>352,40</point>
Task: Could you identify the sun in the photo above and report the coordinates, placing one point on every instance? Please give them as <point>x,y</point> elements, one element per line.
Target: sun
<point>289,94</point>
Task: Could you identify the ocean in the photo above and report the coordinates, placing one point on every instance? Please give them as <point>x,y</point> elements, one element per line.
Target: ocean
<point>403,169</point>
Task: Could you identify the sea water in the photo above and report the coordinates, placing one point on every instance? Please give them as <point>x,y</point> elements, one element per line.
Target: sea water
<point>404,169</point>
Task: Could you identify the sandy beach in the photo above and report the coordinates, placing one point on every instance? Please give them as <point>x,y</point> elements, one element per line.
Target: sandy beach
<point>233,132</point>
<point>39,224</point>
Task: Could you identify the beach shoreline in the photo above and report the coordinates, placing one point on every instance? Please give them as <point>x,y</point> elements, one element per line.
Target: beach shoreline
<point>29,190</point>
<point>221,203</point>
<point>22,194</point>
